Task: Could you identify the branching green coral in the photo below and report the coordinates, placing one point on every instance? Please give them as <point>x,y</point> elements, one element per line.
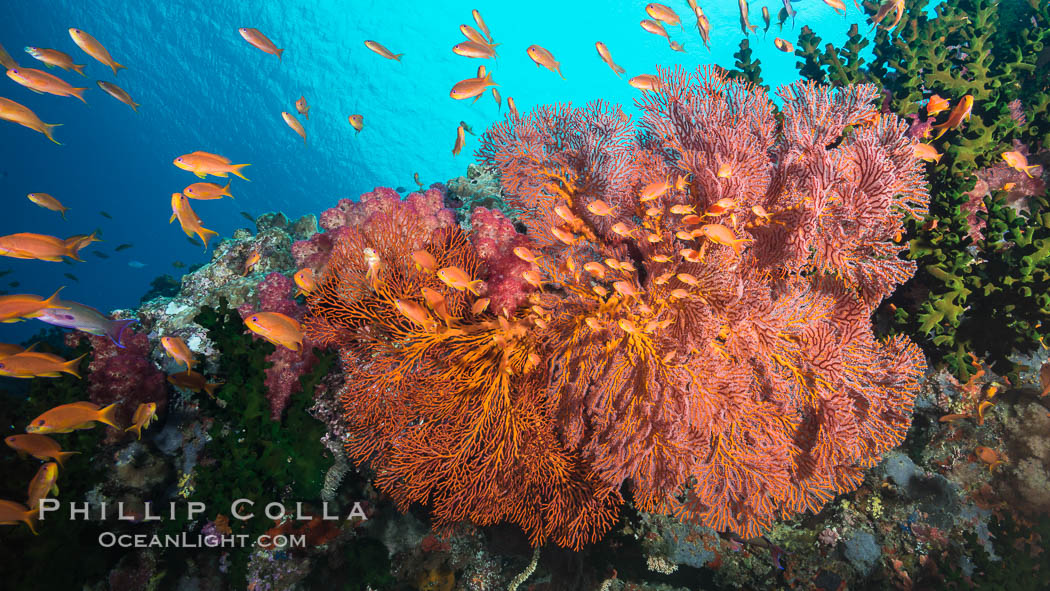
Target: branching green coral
<point>982,298</point>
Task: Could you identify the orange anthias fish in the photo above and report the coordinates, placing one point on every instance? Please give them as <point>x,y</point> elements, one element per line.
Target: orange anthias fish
<point>988,456</point>
<point>118,93</point>
<point>424,261</point>
<point>603,52</point>
<point>474,49</point>
<point>305,281</point>
<point>11,513</point>
<point>276,328</point>
<point>497,98</point>
<point>42,247</point>
<point>192,380</point>
<point>512,107</point>
<point>472,87</point>
<point>745,24</point>
<point>43,483</point>
<point>935,105</point>
<point>260,41</point>
<point>53,58</point>
<point>30,364</point>
<point>378,48</point>
<point>207,191</point>
<point>177,350</point>
<point>41,81</point>
<point>22,115</point>
<point>720,234</point>
<point>837,5</point>
<point>927,152</point>
<point>15,308</point>
<point>458,280</point>
<point>92,47</point>
<point>252,260</point>
<point>294,124</point>
<point>1019,162</point>
<point>646,82</point>
<point>783,45</point>
<point>416,314</point>
<point>302,107</point>
<point>357,122</point>
<point>481,24</point>
<point>654,27</point>
<point>73,416</point>
<point>544,58</point>
<point>473,35</point>
<point>703,26</point>
<point>884,10</point>
<point>191,224</point>
<point>48,202</point>
<point>460,141</point>
<point>145,414</point>
<point>960,113</point>
<point>664,14</point>
<point>40,447</point>
<point>6,60</point>
<point>203,163</point>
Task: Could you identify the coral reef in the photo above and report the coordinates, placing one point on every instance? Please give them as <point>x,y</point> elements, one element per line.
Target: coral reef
<point>731,385</point>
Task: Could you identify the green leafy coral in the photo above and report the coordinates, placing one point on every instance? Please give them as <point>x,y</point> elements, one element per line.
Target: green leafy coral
<point>986,297</point>
<point>249,455</point>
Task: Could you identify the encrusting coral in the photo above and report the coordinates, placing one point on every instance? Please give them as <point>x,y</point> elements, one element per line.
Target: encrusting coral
<point>698,322</point>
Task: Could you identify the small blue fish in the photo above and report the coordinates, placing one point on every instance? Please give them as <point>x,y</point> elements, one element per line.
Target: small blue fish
<point>136,265</point>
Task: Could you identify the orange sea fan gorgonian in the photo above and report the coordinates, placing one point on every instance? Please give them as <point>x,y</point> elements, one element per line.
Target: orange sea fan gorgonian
<point>701,332</point>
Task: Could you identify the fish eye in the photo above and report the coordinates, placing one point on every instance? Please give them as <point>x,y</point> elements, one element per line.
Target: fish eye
<point>255,318</point>
<point>41,422</point>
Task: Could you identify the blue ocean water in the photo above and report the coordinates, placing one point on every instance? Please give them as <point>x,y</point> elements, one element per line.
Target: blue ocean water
<point>202,87</point>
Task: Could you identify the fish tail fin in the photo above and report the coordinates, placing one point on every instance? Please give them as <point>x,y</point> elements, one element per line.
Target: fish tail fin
<point>29,517</point>
<point>280,53</point>
<point>51,303</point>
<point>63,212</point>
<point>206,235</point>
<point>210,388</point>
<point>618,69</point>
<point>557,66</point>
<point>474,286</point>
<point>937,158</point>
<point>79,93</point>
<point>135,106</point>
<point>48,127</point>
<point>116,328</point>
<point>226,190</point>
<point>397,56</point>
<point>237,169</point>
<point>62,456</point>
<point>137,429</point>
<point>70,366</point>
<point>1027,170</point>
<point>79,70</point>
<point>108,415</point>
<point>117,66</point>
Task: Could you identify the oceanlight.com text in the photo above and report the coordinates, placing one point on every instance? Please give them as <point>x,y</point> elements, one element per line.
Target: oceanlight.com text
<point>184,540</point>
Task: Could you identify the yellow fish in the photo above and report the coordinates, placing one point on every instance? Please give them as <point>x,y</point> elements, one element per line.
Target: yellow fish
<point>73,416</point>
<point>276,328</point>
<point>48,202</point>
<point>145,414</point>
<point>294,123</point>
<point>458,280</point>
<point>40,447</point>
<point>202,164</point>
<point>30,364</point>
<point>92,47</point>
<point>177,350</point>
<point>1018,162</point>
<point>22,115</point>
<point>191,224</point>
<point>18,307</point>
<point>11,513</point>
<point>44,482</point>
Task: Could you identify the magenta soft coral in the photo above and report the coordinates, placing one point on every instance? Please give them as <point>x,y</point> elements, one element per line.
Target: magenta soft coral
<point>428,206</point>
<point>124,376</point>
<point>495,239</point>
